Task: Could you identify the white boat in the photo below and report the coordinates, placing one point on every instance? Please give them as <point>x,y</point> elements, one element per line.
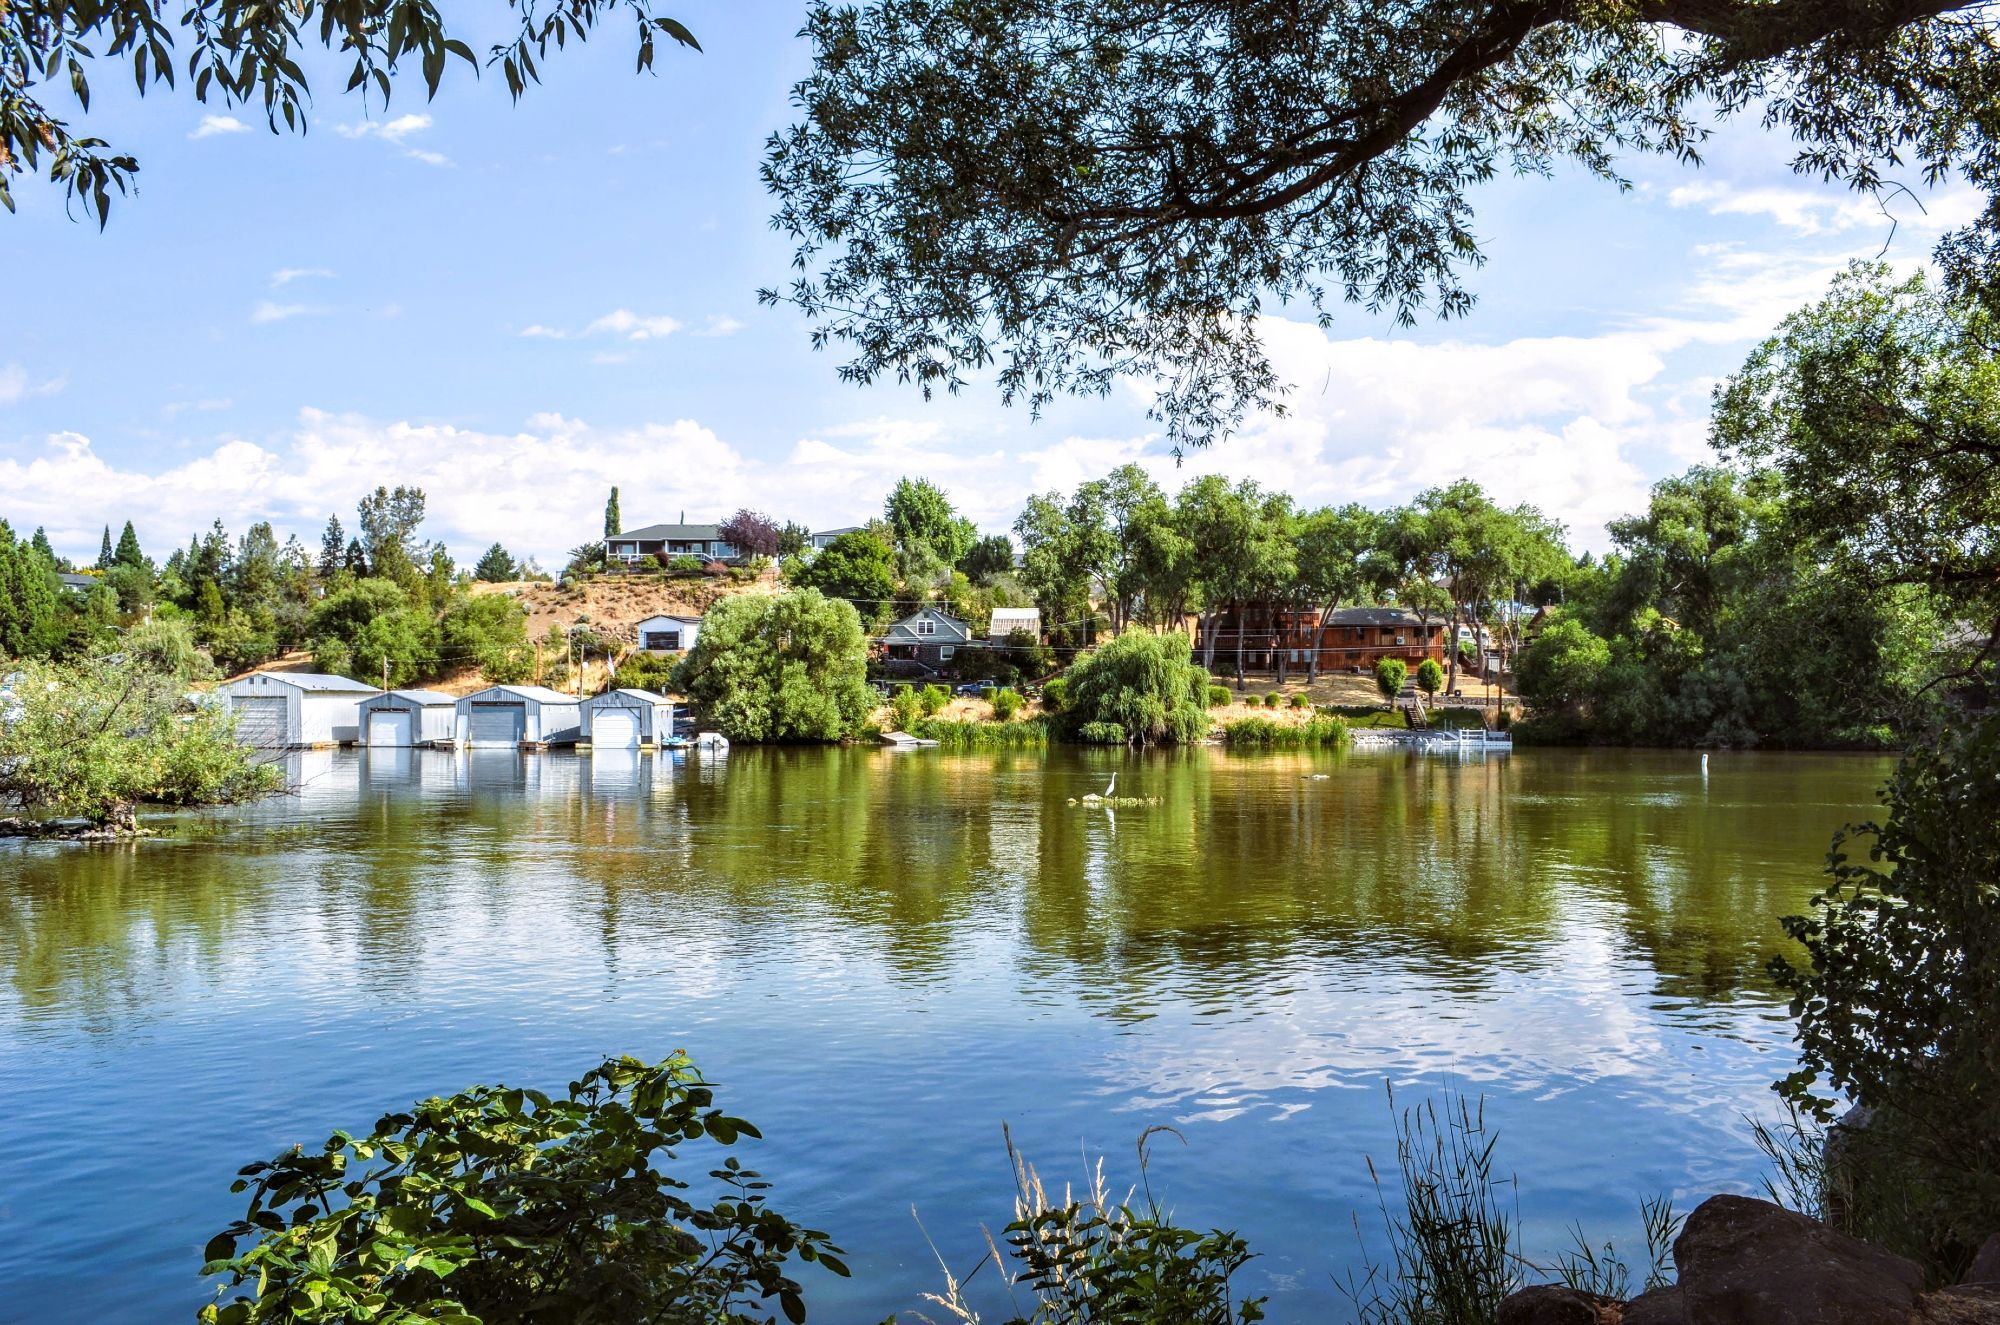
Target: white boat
<point>711,741</point>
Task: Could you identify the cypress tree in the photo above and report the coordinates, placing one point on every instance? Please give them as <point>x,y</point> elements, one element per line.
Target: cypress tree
<point>611,529</point>
<point>129,553</point>
<point>104,553</point>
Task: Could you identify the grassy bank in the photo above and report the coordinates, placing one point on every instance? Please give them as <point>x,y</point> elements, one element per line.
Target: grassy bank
<point>1316,733</point>
<point>1020,734</point>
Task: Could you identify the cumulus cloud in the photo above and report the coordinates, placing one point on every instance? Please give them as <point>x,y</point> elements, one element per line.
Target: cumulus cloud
<point>396,132</point>
<point>17,385</point>
<point>622,323</point>
<point>720,324</point>
<point>1827,210</point>
<point>213,125</point>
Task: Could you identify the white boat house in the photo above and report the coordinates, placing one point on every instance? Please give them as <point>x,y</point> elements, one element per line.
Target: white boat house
<point>506,716</point>
<point>668,634</point>
<point>296,710</point>
<point>627,719</point>
<point>404,718</point>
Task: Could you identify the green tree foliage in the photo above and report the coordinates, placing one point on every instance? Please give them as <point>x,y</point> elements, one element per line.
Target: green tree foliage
<point>613,522</point>
<point>1146,684</point>
<point>486,630</point>
<point>932,699</point>
<point>1127,184</point>
<point>1065,553</point>
<point>859,567</point>
<point>502,1206</point>
<point>1563,673</point>
<point>1898,1001</point>
<point>101,735</point>
<point>929,534</point>
<point>389,522</point>
<point>128,552</point>
<point>1430,677</point>
<point>31,615</point>
<point>793,539</point>
<point>1390,673</point>
<point>1006,703</point>
<point>332,549</point>
<point>496,566</point>
<point>237,56</point>
<point>988,559</point>
<point>104,552</point>
<point>786,668</point>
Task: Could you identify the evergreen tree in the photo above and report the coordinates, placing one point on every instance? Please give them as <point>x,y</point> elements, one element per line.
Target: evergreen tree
<point>104,553</point>
<point>42,545</point>
<point>611,521</point>
<point>30,599</point>
<point>332,548</point>
<point>129,553</point>
<point>497,566</point>
<point>357,560</point>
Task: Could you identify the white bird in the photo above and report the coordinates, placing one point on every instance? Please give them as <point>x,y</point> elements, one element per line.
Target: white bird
<point>1109,787</point>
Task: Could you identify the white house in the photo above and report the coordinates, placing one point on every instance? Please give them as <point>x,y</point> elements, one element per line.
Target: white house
<point>403,718</point>
<point>507,716</point>
<point>670,540</point>
<point>1007,620</point>
<point>296,710</point>
<point>820,538</point>
<point>668,634</point>
<point>627,719</point>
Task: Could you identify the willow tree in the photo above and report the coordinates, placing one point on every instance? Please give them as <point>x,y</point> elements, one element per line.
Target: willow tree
<point>242,52</point>
<point>1063,193</point>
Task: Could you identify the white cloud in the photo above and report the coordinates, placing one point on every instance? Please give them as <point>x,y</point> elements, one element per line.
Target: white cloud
<point>1829,210</point>
<point>622,322</point>
<point>212,125</point>
<point>286,275</point>
<point>267,311</point>
<point>720,324</point>
<point>396,132</point>
<point>16,385</point>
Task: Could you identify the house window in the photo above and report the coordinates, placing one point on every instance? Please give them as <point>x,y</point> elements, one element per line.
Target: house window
<point>662,641</point>
<point>944,651</point>
<point>927,627</point>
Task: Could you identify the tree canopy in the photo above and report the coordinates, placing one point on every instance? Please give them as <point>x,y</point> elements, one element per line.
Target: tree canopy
<point>1067,192</point>
<point>233,52</point>
<point>787,668</point>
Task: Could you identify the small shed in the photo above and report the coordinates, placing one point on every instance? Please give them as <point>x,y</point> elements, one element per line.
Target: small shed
<point>404,718</point>
<point>627,719</point>
<point>505,716</point>
<point>1007,620</point>
<point>668,634</point>
<point>296,710</point>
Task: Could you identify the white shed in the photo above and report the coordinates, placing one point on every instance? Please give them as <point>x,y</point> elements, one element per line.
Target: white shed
<point>1007,620</point>
<point>627,719</point>
<point>408,717</point>
<point>294,710</point>
<point>501,716</point>
<point>668,634</point>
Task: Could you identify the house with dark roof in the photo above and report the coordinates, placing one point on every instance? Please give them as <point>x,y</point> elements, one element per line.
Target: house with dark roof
<point>819,538</point>
<point>926,639</point>
<point>670,540</point>
<point>1346,639</point>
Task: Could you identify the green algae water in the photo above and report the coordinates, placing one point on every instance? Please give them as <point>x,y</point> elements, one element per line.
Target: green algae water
<point>882,957</point>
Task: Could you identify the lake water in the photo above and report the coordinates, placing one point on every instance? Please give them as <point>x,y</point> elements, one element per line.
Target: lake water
<point>881,957</point>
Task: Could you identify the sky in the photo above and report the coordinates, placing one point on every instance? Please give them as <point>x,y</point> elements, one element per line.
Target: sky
<point>516,306</point>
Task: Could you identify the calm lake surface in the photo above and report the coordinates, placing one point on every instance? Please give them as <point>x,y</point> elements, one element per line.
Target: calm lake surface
<point>882,957</point>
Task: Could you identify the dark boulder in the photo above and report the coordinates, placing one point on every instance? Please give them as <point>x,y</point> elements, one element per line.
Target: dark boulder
<point>1553,1304</point>
<point>1748,1262</point>
<point>1658,1306</point>
<point>1986,1265</point>
<point>1967,1304</point>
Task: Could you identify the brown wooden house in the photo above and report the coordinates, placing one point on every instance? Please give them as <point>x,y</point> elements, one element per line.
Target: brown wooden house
<point>1350,639</point>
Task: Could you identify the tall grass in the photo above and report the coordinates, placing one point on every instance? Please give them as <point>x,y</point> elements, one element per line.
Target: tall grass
<point>1317,732</point>
<point>1454,1247</point>
<point>1021,734</point>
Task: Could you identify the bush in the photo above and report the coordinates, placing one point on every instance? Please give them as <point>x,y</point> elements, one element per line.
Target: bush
<point>1389,676</point>
<point>788,668</point>
<point>513,1205</point>
<point>1102,733</point>
<point>1266,733</point>
<point>933,699</point>
<point>490,630</point>
<point>1430,676</point>
<point>1006,703</point>
<point>1055,695</point>
<point>1301,700</point>
<point>646,671</point>
<point>685,565</point>
<point>907,706</point>
<point>1219,697</point>
<point>1898,1005</point>
<point>1273,699</point>
<point>1146,685</point>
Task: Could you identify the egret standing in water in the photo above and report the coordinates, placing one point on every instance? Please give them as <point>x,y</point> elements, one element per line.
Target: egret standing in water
<point>1109,787</point>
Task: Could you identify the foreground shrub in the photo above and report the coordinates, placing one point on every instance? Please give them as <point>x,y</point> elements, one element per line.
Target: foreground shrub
<point>1218,697</point>
<point>1389,676</point>
<point>933,698</point>
<point>1006,703</point>
<point>1147,685</point>
<point>1110,1261</point>
<point>1898,1004</point>
<point>788,668</point>
<point>504,1205</point>
<point>1301,700</point>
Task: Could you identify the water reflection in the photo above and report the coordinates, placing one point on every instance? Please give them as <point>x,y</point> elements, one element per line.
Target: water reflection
<point>891,952</point>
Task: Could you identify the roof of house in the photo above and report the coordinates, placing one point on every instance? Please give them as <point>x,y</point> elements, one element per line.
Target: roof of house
<point>310,681</point>
<point>540,694</point>
<point>955,629</point>
<point>671,616</point>
<point>425,697</point>
<point>836,533</point>
<point>1376,616</point>
<point>76,579</point>
<point>633,692</point>
<point>661,533</point>
<point>1009,618</point>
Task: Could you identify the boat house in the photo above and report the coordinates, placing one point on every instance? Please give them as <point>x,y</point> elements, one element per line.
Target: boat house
<point>296,710</point>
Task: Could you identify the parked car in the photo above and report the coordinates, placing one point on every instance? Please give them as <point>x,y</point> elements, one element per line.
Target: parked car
<point>978,687</point>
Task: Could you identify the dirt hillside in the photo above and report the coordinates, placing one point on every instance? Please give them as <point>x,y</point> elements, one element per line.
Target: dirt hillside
<point>614,605</point>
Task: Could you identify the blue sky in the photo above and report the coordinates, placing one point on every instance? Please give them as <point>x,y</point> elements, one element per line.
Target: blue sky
<point>515,306</point>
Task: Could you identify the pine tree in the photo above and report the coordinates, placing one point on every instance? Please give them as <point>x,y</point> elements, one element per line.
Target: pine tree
<point>332,548</point>
<point>497,566</point>
<point>357,560</point>
<point>42,545</point>
<point>128,553</point>
<point>104,554</point>
<point>611,522</point>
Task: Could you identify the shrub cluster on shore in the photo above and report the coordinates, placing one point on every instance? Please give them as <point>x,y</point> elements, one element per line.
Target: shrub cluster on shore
<point>1317,732</point>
